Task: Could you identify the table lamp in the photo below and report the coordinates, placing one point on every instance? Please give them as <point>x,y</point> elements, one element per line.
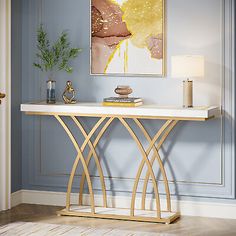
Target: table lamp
<point>188,67</point>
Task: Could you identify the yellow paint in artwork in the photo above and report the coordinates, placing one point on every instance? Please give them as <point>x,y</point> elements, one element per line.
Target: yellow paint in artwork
<point>144,18</point>
<point>112,56</point>
<point>119,2</point>
<point>126,54</point>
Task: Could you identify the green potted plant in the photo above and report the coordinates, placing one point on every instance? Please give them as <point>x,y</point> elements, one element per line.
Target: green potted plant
<point>54,57</point>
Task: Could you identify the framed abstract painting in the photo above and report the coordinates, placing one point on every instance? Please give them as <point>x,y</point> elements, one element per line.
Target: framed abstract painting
<point>128,37</point>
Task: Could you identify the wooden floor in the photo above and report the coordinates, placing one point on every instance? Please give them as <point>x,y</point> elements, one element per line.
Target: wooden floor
<point>184,226</point>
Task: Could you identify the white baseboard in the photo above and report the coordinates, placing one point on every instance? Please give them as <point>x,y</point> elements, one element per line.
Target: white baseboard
<point>187,208</point>
<point>16,198</point>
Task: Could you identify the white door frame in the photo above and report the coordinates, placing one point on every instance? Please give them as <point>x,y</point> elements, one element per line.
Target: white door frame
<point>5,107</point>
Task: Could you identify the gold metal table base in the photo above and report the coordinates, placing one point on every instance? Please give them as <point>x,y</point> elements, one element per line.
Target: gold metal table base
<point>120,214</point>
<point>155,143</point>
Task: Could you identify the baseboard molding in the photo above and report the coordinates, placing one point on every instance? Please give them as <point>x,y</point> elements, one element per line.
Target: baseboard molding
<point>187,208</point>
<point>16,198</point>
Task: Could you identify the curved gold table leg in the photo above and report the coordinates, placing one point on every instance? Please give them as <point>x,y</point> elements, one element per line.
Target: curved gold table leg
<point>78,158</point>
<point>81,128</point>
<point>162,140</point>
<point>146,160</point>
<point>167,123</point>
<point>157,156</point>
<point>99,136</point>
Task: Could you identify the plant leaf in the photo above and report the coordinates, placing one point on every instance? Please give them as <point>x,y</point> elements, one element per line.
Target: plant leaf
<point>56,56</point>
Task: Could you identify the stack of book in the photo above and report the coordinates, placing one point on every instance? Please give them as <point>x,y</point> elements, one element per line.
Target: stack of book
<point>122,102</point>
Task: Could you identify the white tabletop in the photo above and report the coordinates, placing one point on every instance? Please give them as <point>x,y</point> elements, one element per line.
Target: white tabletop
<point>145,111</point>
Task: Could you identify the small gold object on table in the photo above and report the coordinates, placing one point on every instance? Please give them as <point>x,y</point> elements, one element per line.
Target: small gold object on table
<point>69,94</point>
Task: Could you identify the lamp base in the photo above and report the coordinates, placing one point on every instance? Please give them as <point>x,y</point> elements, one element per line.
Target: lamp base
<point>187,106</point>
<point>187,93</point>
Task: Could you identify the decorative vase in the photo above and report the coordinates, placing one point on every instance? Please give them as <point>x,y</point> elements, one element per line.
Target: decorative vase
<point>51,92</point>
<point>123,91</point>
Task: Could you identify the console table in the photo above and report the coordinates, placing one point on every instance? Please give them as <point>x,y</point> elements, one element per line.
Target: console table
<point>106,115</point>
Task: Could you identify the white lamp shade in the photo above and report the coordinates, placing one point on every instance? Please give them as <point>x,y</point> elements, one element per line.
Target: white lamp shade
<point>187,66</point>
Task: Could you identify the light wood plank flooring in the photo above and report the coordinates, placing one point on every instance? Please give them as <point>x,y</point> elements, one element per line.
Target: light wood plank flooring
<point>184,226</point>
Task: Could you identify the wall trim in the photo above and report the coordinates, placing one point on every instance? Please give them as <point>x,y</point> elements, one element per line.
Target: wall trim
<point>187,208</point>
<point>16,198</point>
<point>5,113</point>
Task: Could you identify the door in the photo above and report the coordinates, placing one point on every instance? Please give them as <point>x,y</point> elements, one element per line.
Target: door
<point>5,106</point>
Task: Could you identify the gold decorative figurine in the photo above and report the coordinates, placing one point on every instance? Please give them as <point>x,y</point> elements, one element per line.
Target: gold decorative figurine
<point>69,94</point>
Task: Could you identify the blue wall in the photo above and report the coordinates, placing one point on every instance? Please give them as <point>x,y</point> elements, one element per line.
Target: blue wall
<point>196,163</point>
